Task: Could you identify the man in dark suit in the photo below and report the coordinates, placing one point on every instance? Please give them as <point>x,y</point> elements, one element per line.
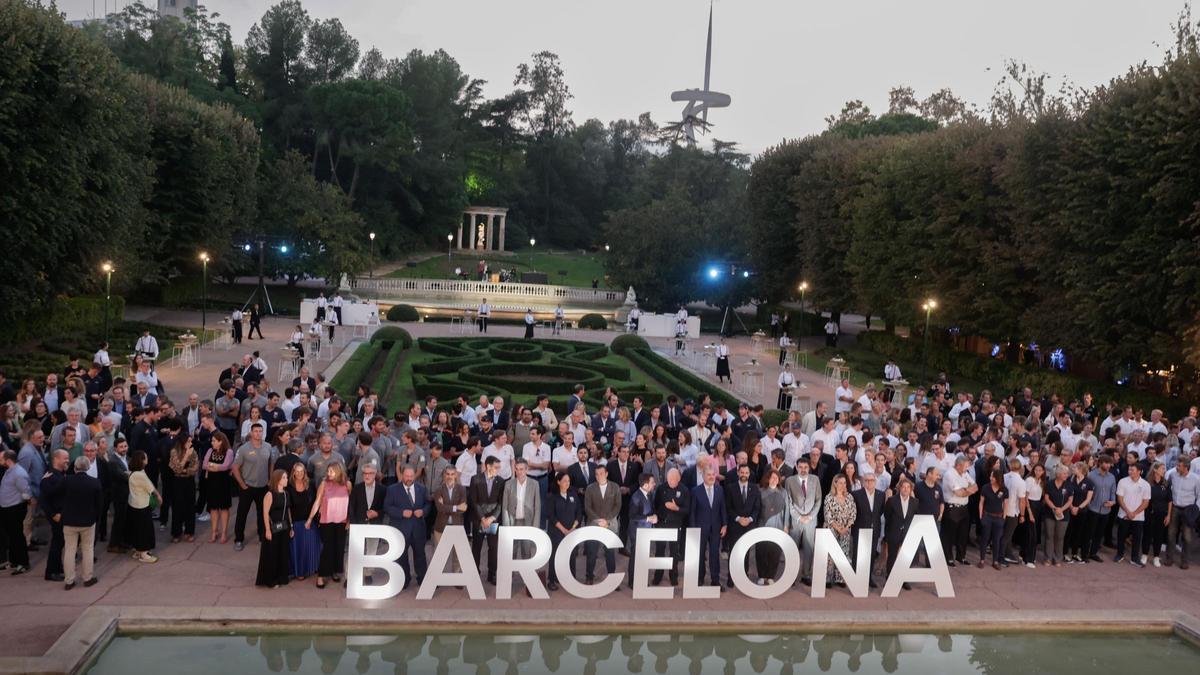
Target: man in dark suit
<point>575,399</point>
<point>582,472</point>
<point>641,515</point>
<point>671,416</point>
<point>672,505</point>
<point>603,425</point>
<point>249,372</point>
<point>869,504</point>
<point>118,480</point>
<point>367,499</point>
<point>693,476</point>
<point>483,505</point>
<point>743,502</point>
<point>51,503</point>
<point>639,415</point>
<point>900,511</point>
<point>406,504</point>
<point>100,462</point>
<point>625,473</point>
<point>81,508</point>
<point>708,514</point>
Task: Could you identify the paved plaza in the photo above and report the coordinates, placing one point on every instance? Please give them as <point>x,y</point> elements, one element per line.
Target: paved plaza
<point>202,575</point>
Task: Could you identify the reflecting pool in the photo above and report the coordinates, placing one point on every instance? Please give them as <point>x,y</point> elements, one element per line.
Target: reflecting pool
<point>725,654</point>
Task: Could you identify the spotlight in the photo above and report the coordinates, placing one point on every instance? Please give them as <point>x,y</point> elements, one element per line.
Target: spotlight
<point>714,272</point>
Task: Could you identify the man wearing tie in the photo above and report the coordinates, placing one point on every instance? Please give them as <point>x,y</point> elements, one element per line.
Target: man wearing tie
<point>708,514</point>
<point>868,503</point>
<point>602,506</point>
<point>804,488</point>
<point>671,416</point>
<point>582,472</point>
<point>483,504</point>
<point>641,515</point>
<point>406,505</point>
<point>672,505</point>
<point>900,511</point>
<point>744,505</point>
<point>626,475</point>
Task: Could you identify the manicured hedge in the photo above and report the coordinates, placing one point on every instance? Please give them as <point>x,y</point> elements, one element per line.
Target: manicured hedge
<point>593,322</point>
<point>403,313</point>
<point>1005,377</point>
<point>355,369</point>
<point>447,366</point>
<point>384,378</point>
<point>680,381</point>
<point>510,376</point>
<point>444,347</point>
<point>613,372</point>
<point>78,314</point>
<point>622,343</point>
<point>389,334</point>
<point>520,352</point>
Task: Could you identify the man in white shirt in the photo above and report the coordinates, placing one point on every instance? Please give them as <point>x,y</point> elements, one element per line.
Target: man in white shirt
<point>485,313</point>
<point>500,449</point>
<point>565,455</point>
<point>957,487</point>
<point>891,371</point>
<point>831,333</point>
<point>795,445</point>
<point>538,455</point>
<point>1137,444</point>
<point>828,437</point>
<point>1133,496</point>
<point>483,408</point>
<point>1015,507</point>
<point>844,398</point>
<point>468,461</point>
<point>147,346</point>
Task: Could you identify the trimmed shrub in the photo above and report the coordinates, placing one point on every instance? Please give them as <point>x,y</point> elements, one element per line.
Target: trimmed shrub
<point>392,334</point>
<point>622,343</point>
<point>383,382</point>
<point>520,352</point>
<point>679,381</point>
<point>593,322</point>
<point>444,347</point>
<point>516,377</point>
<point>403,313</point>
<point>355,369</point>
<point>774,418</point>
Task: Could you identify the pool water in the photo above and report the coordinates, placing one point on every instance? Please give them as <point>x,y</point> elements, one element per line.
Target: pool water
<point>724,654</point>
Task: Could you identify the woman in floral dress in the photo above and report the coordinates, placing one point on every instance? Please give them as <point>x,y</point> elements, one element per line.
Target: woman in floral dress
<point>839,517</point>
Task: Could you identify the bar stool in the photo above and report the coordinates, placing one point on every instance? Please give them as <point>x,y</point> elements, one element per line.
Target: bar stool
<point>177,355</point>
<point>289,358</point>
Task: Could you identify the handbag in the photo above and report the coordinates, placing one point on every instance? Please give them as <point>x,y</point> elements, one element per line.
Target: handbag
<point>153,501</point>
<point>281,526</point>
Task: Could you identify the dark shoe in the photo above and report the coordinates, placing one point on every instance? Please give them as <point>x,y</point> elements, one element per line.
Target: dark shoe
<point>674,581</point>
<point>1167,562</point>
<point>950,563</point>
<point>55,577</point>
<point>91,582</point>
<point>980,564</point>
<point>995,566</point>
<point>963,561</point>
<point>19,569</point>
<point>1183,565</point>
<point>67,587</point>
<point>552,586</point>
<point>906,586</point>
<point>587,580</point>
<point>491,581</point>
<point>730,582</point>
<point>721,587</point>
<point>1094,558</point>
<point>367,580</point>
<point>238,545</point>
<point>337,578</point>
<point>872,583</point>
<point>806,581</point>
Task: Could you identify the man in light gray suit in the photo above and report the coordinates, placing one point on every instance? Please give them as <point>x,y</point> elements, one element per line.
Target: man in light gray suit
<point>805,490</point>
<point>521,505</point>
<point>602,506</point>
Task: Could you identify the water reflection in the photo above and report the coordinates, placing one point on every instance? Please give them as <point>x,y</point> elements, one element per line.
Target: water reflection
<point>483,654</point>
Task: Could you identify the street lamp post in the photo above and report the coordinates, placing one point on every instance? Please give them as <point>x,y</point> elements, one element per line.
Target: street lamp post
<point>449,249</point>
<point>929,306</point>
<point>606,248</point>
<point>372,235</point>
<point>108,270</point>
<point>532,242</point>
<point>803,290</point>
<point>204,295</point>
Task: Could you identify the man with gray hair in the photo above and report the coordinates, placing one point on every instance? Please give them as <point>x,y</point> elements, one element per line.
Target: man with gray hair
<point>82,501</point>
<point>957,487</point>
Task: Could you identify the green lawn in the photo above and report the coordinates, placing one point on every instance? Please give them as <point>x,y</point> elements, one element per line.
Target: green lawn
<point>185,293</point>
<point>564,268</point>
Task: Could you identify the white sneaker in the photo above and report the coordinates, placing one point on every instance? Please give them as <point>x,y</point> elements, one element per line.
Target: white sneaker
<point>1031,566</point>
<point>1143,559</point>
<point>1157,562</point>
<point>204,517</point>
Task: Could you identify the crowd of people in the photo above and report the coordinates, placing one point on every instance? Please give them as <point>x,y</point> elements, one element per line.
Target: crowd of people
<point>1010,480</point>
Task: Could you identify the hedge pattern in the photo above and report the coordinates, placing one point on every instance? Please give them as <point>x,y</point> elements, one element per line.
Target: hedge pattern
<point>355,369</point>
<point>683,383</point>
<point>623,343</point>
<point>388,334</point>
<point>403,313</point>
<point>518,352</point>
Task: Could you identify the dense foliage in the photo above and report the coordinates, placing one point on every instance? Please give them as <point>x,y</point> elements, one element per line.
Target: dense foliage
<point>1071,221</point>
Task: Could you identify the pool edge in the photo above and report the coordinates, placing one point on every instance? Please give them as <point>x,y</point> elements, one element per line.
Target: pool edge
<point>87,637</point>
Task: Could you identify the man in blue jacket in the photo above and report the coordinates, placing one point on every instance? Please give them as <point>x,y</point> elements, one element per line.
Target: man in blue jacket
<point>641,514</point>
<point>406,505</point>
<point>708,514</point>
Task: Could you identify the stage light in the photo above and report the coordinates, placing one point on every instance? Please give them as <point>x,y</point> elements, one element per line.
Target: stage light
<point>714,272</point>
<point>246,248</point>
<point>283,249</point>
<point>745,274</point>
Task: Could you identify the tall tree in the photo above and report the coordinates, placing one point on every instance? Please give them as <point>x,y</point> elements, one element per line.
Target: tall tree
<point>331,51</point>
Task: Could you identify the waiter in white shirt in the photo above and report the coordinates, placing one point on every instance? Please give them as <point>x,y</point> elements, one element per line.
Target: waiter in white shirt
<point>787,383</point>
<point>235,320</point>
<point>635,317</point>
<point>485,313</point>
<point>337,306</point>
<point>723,362</point>
<point>831,333</point>
<point>559,320</point>
<point>785,343</point>
<point>321,304</point>
<point>529,321</point>
<point>147,346</point>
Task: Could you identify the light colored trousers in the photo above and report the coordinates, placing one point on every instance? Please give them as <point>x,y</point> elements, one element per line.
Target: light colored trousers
<point>1053,532</point>
<point>805,536</point>
<point>83,540</point>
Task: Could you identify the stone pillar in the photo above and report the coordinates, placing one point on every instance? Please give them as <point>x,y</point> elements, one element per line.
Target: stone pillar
<point>491,237</point>
<point>458,242</point>
<point>501,234</point>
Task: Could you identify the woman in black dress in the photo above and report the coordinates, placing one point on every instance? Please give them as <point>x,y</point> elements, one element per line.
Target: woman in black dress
<point>275,552</point>
<point>723,362</point>
<point>218,486</point>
